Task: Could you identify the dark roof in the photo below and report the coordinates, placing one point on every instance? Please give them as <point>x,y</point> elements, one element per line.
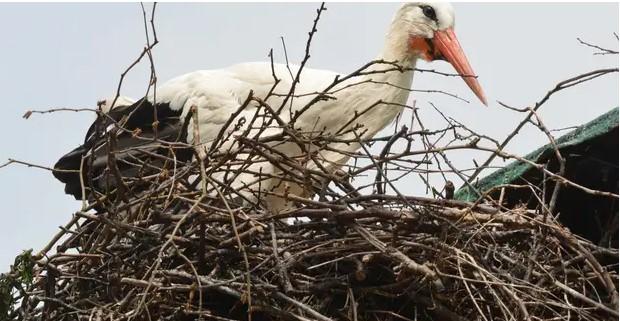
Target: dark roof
<point>600,126</point>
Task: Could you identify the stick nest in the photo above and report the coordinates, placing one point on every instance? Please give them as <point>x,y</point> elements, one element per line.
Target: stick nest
<point>176,254</point>
<point>174,243</point>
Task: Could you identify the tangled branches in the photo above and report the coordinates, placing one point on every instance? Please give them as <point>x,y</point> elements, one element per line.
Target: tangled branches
<point>185,241</point>
<point>181,244</point>
<point>365,257</point>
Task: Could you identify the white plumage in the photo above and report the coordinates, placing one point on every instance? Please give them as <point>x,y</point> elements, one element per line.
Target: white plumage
<point>218,94</point>
<point>419,30</point>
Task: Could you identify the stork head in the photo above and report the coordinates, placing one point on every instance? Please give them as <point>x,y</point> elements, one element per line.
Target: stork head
<point>428,30</point>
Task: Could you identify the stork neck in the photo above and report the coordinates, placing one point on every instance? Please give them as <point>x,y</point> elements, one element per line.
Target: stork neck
<point>390,87</point>
<point>389,84</point>
<point>396,46</point>
<point>396,50</point>
<point>401,73</point>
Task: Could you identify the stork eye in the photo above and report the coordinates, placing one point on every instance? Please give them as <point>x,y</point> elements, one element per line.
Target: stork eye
<point>429,12</point>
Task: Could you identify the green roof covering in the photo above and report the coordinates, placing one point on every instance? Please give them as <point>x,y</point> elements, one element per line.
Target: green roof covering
<point>595,128</point>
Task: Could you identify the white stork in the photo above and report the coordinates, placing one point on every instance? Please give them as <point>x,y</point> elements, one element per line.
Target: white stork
<point>418,31</point>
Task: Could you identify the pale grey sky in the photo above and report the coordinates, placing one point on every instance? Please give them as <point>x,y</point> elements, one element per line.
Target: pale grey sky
<point>71,55</point>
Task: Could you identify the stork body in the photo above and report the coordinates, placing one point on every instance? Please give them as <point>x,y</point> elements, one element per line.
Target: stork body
<point>367,102</point>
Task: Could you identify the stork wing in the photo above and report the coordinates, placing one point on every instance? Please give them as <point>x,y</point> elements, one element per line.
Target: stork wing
<point>127,136</point>
<point>122,142</point>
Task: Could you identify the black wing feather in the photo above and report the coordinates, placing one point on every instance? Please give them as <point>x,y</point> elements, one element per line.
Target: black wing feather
<point>133,145</point>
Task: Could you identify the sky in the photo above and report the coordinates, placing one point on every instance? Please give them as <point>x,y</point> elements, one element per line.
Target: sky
<point>71,55</point>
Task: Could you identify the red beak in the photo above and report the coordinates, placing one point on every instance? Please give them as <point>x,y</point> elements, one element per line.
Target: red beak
<point>448,47</point>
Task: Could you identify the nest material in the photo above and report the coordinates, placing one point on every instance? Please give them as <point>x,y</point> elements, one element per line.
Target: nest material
<point>156,247</point>
<point>374,257</point>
